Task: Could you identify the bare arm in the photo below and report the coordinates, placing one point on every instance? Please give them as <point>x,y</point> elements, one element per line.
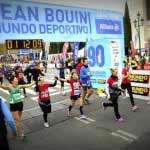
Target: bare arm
<point>27,85</point>
<point>61,79</point>
<point>5,86</point>
<point>54,84</point>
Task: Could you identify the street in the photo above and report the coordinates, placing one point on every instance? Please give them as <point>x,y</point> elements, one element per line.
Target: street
<point>98,131</point>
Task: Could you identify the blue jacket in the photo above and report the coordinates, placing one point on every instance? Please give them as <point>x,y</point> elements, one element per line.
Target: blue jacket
<point>8,115</point>
<point>85,76</point>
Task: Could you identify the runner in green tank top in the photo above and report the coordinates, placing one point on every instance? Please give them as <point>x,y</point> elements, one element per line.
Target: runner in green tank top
<point>16,102</point>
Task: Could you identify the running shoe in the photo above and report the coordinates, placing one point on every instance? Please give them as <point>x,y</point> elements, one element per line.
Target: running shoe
<point>82,117</point>
<point>120,119</point>
<point>135,107</point>
<point>46,125</point>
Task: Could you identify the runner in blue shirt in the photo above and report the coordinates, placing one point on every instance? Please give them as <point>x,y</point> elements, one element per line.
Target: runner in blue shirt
<point>86,81</point>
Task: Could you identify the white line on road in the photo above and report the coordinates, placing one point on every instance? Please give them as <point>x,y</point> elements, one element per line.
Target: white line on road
<point>127,134</point>
<point>89,119</point>
<point>121,136</point>
<point>84,121</point>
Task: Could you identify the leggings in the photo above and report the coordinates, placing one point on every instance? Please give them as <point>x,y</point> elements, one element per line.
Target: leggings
<point>113,103</point>
<point>129,89</point>
<point>45,116</point>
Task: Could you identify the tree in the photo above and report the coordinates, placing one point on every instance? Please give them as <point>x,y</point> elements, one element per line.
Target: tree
<point>127,29</point>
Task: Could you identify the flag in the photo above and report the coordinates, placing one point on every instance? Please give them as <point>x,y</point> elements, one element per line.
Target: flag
<point>64,50</point>
<point>75,48</point>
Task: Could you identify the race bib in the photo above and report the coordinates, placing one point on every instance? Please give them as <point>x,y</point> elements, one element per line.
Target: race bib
<point>77,92</point>
<point>45,94</point>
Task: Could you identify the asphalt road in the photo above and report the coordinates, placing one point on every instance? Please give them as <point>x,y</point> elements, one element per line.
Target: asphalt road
<point>99,131</point>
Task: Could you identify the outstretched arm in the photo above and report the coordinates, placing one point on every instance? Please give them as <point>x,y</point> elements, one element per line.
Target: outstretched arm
<point>54,84</point>
<point>61,79</point>
<point>5,86</point>
<point>27,85</point>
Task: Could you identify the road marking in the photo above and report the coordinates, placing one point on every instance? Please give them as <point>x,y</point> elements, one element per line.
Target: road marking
<point>121,136</point>
<point>127,134</point>
<point>89,119</point>
<point>29,91</point>
<point>82,120</point>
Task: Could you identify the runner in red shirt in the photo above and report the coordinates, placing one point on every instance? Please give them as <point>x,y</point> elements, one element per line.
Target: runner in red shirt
<point>44,98</point>
<point>126,84</point>
<point>75,95</point>
<point>114,92</point>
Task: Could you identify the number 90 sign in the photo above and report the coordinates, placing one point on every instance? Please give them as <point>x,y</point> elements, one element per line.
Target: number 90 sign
<point>96,56</point>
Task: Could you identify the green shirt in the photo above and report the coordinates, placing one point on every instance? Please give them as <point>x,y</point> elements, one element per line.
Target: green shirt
<point>15,95</point>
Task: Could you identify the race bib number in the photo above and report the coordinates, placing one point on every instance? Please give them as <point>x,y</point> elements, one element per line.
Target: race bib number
<point>45,94</point>
<point>77,92</point>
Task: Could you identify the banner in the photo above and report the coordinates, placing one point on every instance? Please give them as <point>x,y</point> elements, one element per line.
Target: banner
<point>140,82</point>
<point>29,20</point>
<point>75,48</point>
<point>144,91</point>
<point>64,50</point>
<point>139,78</point>
<point>104,54</point>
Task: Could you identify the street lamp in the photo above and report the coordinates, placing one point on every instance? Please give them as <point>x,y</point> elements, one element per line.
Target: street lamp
<point>138,22</point>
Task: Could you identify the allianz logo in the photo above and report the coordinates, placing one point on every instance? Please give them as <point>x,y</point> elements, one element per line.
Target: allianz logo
<point>109,27</point>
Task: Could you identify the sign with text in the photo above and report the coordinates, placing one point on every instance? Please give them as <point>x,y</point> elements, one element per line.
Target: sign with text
<point>98,63</point>
<point>104,26</point>
<point>103,54</point>
<point>29,20</point>
<point>139,78</point>
<point>144,91</point>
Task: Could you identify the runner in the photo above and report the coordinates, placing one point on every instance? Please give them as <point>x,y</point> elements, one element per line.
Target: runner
<point>79,65</point>
<point>44,98</point>
<point>21,78</point>
<point>5,117</point>
<point>75,95</point>
<point>114,92</point>
<point>126,84</point>
<point>16,102</point>
<point>36,72</point>
<point>86,82</point>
